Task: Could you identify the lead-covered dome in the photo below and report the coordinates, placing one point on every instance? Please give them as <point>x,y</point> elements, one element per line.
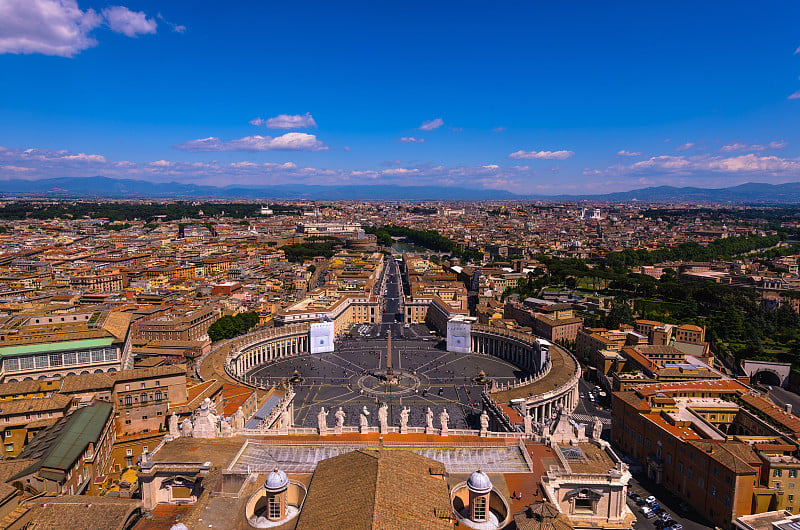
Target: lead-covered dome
<point>479,482</point>
<point>276,481</point>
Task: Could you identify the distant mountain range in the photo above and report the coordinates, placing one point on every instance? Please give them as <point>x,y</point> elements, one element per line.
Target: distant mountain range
<point>104,187</point>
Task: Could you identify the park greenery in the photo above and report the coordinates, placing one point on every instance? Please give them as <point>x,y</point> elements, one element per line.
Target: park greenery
<point>738,324</point>
<point>325,246</point>
<point>230,326</point>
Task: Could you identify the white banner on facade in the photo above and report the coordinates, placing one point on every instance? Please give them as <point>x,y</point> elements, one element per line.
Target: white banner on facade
<point>321,337</point>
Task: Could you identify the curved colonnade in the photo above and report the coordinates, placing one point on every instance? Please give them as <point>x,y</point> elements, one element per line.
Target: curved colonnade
<point>553,383</point>
<point>255,349</point>
<point>554,386</point>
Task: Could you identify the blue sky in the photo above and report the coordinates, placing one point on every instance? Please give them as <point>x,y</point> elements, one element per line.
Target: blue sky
<point>532,97</point>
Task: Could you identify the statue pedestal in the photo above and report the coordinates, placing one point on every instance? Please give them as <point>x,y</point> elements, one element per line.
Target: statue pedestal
<point>337,430</point>
<point>445,431</point>
<point>322,432</point>
<point>484,432</point>
<point>403,429</point>
<point>363,429</point>
<point>430,430</point>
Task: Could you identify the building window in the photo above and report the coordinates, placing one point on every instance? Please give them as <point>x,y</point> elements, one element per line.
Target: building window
<point>128,400</point>
<point>129,452</point>
<point>127,422</point>
<point>792,473</point>
<point>144,448</point>
<point>9,448</point>
<point>701,483</point>
<point>776,485</point>
<point>479,512</point>
<point>158,395</point>
<point>777,472</point>
<point>680,467</point>
<point>143,398</point>
<point>274,507</point>
<point>790,497</point>
<point>712,490</point>
<point>144,385</point>
<point>8,434</point>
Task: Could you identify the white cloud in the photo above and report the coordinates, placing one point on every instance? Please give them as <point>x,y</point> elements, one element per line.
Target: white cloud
<point>17,169</point>
<point>797,50</point>
<point>82,157</point>
<point>499,129</point>
<point>732,148</point>
<point>130,23</point>
<point>541,155</point>
<point>50,27</point>
<point>410,140</point>
<point>161,163</point>
<point>431,125</point>
<point>795,95</point>
<point>286,142</point>
<point>685,147</point>
<point>287,121</point>
<point>399,171</point>
<point>177,28</point>
<point>625,152</point>
<point>212,143</point>
<point>61,28</point>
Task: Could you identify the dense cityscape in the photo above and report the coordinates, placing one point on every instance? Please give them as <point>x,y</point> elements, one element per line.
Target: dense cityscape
<point>485,364</point>
<point>399,265</point>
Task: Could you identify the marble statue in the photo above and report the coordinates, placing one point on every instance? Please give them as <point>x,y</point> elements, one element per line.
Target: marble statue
<point>205,423</point>
<point>429,419</point>
<point>528,423</point>
<point>238,419</point>
<point>173,426</point>
<point>383,417</point>
<point>484,421</point>
<point>444,417</point>
<point>404,418</point>
<point>339,418</point>
<point>597,428</point>
<point>212,407</point>
<point>322,420</point>
<point>187,427</point>
<point>286,418</point>
<point>363,421</point>
<point>225,428</point>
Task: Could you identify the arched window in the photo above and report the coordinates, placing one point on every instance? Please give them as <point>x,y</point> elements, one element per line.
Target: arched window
<point>158,395</point>
<point>128,400</point>
<point>143,398</point>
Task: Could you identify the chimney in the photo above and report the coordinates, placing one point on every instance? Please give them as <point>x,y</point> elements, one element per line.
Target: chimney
<point>788,408</point>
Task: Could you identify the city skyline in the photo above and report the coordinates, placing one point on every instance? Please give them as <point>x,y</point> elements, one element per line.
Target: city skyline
<point>534,99</point>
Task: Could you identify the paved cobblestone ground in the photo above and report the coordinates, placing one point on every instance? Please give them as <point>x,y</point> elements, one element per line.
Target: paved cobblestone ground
<point>445,381</point>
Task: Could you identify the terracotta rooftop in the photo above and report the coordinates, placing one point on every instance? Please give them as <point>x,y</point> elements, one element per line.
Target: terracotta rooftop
<point>377,489</point>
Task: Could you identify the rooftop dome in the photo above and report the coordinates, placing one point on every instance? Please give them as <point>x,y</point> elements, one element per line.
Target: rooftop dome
<point>276,481</point>
<point>479,482</point>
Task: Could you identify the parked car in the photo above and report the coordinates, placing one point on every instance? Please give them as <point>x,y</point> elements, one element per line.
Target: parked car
<point>677,526</point>
<point>664,515</point>
<point>662,525</point>
<point>640,501</point>
<point>650,499</point>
